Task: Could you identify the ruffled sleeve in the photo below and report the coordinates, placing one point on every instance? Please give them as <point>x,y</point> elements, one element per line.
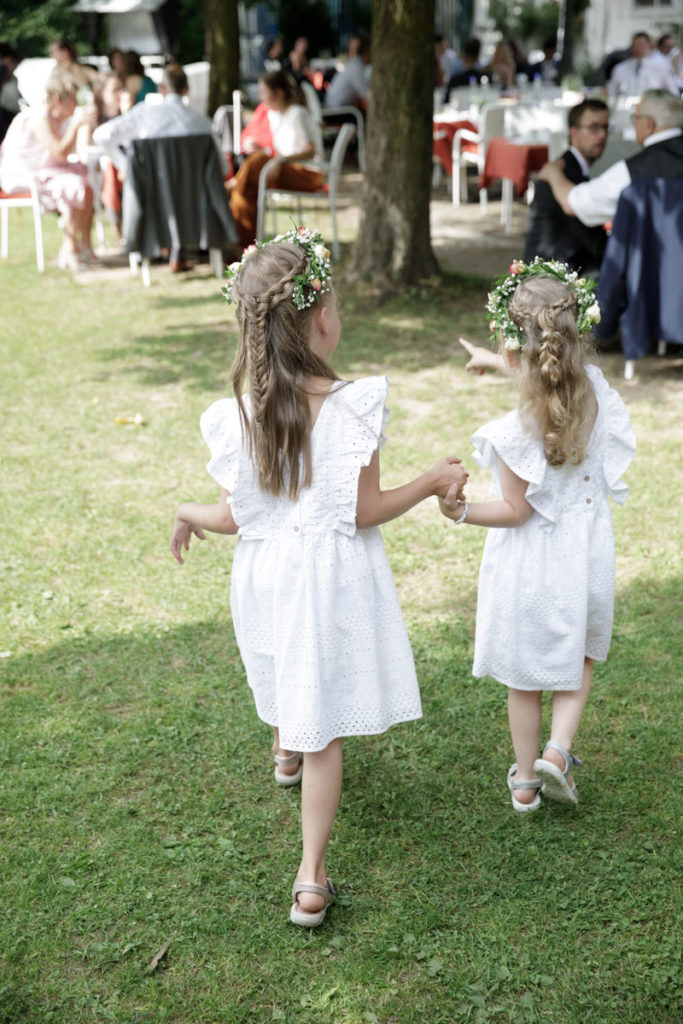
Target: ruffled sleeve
<point>361,416</point>
<point>508,440</point>
<point>620,442</point>
<point>220,427</point>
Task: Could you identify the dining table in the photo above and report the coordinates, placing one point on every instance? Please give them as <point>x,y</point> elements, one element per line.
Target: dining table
<point>513,162</point>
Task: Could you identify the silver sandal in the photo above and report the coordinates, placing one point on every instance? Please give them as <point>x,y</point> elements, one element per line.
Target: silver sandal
<point>282,778</point>
<point>555,780</point>
<point>305,918</point>
<point>531,784</point>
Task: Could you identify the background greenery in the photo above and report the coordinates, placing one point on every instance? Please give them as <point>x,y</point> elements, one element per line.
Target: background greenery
<point>137,806</point>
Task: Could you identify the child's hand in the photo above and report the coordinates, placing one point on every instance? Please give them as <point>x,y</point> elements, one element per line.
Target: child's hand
<point>448,473</point>
<point>481,359</point>
<point>452,504</point>
<point>181,535</point>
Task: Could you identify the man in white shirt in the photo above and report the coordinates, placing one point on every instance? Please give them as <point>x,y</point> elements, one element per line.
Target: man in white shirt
<point>350,86</point>
<point>644,70</point>
<point>153,120</point>
<point>658,120</point>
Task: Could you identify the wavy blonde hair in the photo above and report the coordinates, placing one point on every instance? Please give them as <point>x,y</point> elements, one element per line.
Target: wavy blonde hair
<point>275,358</point>
<point>555,391</point>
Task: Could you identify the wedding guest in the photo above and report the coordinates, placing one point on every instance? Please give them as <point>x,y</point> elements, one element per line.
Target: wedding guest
<point>658,120</point>
<point>646,69</point>
<point>350,86</point>
<point>65,56</point>
<point>37,146</point>
<point>137,81</point>
<point>293,134</point>
<point>548,68</point>
<point>10,97</point>
<point>468,70</point>
<point>553,234</point>
<point>296,61</point>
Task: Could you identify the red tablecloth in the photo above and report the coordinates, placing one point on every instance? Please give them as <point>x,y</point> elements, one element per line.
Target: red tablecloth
<point>512,160</point>
<point>442,146</point>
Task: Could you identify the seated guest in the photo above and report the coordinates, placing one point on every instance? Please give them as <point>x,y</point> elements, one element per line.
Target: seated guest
<point>469,67</point>
<point>296,62</point>
<point>503,68</point>
<point>658,119</point>
<point>350,86</point>
<point>643,71</point>
<point>108,90</point>
<point>66,58</point>
<point>10,97</point>
<point>137,83</point>
<point>37,146</point>
<point>552,234</point>
<point>153,121</point>
<point>548,68</point>
<point>293,135</point>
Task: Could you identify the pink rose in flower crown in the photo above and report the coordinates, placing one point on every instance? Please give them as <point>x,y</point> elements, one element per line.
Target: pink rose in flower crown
<point>316,284</point>
<point>250,250</point>
<point>492,325</point>
<point>515,267</point>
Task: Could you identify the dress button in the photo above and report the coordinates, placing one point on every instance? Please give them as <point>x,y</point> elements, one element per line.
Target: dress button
<point>588,501</point>
<point>296,528</point>
<point>586,478</point>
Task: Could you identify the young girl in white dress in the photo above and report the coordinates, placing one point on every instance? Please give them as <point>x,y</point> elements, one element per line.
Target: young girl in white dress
<point>546,583</point>
<point>314,605</point>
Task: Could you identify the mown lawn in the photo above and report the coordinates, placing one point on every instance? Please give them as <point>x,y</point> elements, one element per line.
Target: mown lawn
<point>137,806</point>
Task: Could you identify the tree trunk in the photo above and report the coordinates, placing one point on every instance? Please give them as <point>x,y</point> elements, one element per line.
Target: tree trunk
<point>393,245</point>
<point>221,26</point>
<point>566,36</point>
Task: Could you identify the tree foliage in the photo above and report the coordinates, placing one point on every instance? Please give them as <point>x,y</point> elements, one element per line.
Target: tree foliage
<point>31,25</point>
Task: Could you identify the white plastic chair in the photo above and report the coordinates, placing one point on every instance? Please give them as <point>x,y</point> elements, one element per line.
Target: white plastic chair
<point>491,123</point>
<point>331,170</point>
<point>11,201</point>
<point>319,113</point>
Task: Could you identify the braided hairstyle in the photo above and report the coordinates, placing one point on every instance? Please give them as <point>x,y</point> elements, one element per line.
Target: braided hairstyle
<point>555,390</point>
<point>275,359</point>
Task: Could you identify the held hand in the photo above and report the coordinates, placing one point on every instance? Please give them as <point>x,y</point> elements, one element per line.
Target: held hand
<point>448,473</point>
<point>551,170</point>
<point>481,359</point>
<point>452,504</point>
<point>181,535</point>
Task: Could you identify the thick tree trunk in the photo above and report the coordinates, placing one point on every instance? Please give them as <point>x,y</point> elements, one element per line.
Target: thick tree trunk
<point>221,26</point>
<point>393,246</point>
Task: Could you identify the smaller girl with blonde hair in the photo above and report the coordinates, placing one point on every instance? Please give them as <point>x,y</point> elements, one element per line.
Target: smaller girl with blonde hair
<point>546,583</point>
<point>313,601</point>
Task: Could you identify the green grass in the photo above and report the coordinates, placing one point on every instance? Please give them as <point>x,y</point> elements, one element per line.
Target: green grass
<point>136,795</point>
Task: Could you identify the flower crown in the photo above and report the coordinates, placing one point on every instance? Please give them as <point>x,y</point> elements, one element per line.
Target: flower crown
<point>309,285</point>
<point>588,311</point>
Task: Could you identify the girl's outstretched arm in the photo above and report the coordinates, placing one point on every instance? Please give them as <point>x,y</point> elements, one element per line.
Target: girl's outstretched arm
<point>193,518</point>
<point>512,510</point>
<point>483,359</point>
<point>375,506</point>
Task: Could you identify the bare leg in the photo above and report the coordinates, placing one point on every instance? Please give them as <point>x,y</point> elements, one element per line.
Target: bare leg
<point>568,708</point>
<point>320,792</point>
<point>524,715</point>
<point>285,769</point>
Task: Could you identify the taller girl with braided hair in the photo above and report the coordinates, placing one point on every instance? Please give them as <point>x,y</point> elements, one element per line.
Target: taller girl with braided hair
<point>546,583</point>
<point>314,606</point>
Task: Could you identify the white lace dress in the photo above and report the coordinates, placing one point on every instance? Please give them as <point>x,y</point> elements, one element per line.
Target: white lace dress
<point>546,589</point>
<point>314,605</point>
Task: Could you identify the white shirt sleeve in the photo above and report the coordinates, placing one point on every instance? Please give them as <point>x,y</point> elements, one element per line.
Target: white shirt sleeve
<point>118,132</point>
<point>595,202</point>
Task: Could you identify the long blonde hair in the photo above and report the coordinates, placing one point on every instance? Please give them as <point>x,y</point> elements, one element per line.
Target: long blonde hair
<point>555,391</point>
<point>275,358</point>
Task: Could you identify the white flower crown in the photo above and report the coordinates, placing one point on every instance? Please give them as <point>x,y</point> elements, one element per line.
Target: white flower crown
<point>309,285</point>
<point>582,288</point>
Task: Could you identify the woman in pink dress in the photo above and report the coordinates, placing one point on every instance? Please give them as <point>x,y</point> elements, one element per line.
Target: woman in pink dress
<point>36,148</point>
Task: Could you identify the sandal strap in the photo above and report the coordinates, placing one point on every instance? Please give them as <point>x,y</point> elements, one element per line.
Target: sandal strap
<point>530,784</point>
<point>569,759</point>
<point>319,890</point>
<point>290,759</point>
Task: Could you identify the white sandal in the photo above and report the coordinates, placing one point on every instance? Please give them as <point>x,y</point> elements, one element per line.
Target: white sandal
<point>531,784</point>
<point>282,778</point>
<point>305,918</point>
<point>555,780</point>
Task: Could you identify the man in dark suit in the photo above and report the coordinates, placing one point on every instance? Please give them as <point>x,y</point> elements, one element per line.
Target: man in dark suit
<point>552,234</point>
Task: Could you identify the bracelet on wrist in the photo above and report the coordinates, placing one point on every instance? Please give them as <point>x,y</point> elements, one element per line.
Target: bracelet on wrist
<point>463,515</point>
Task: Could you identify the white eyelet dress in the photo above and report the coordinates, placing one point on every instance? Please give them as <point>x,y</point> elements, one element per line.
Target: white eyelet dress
<point>546,588</point>
<point>314,605</point>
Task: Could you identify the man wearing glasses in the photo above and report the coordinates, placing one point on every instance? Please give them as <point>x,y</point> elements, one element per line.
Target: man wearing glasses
<point>552,234</point>
<point>658,120</point>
